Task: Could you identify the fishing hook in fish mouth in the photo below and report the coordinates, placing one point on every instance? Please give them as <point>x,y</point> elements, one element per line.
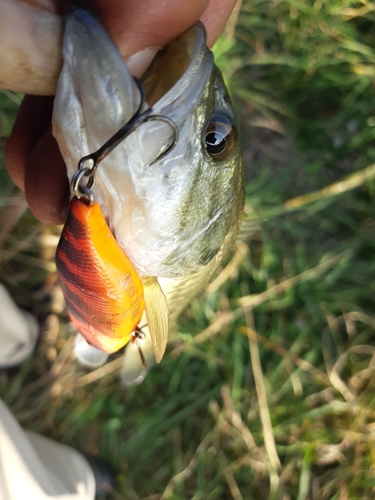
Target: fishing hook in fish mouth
<point>85,190</point>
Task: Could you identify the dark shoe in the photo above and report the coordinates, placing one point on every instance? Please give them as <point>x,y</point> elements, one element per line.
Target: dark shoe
<point>105,477</point>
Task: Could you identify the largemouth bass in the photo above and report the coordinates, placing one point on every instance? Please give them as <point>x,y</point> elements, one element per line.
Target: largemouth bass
<point>175,215</point>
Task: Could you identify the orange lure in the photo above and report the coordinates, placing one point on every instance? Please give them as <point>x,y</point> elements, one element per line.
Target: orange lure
<point>102,290</point>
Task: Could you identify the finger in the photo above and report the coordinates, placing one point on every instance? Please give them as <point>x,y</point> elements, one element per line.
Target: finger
<point>30,56</point>
<point>30,47</point>
<point>215,17</point>
<point>147,23</point>
<point>46,181</point>
<point>33,119</point>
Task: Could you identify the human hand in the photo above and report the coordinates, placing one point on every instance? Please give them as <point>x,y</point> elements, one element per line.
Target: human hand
<point>32,156</point>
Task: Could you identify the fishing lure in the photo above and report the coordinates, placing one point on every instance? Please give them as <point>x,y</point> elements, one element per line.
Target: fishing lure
<point>102,290</point>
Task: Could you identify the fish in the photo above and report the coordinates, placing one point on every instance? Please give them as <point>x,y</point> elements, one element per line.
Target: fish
<point>174,211</point>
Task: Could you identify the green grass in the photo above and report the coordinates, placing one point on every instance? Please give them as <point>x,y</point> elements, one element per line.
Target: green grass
<point>269,390</point>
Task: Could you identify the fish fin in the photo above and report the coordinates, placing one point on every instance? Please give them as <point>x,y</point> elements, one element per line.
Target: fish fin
<point>248,228</point>
<point>157,315</point>
<point>181,291</point>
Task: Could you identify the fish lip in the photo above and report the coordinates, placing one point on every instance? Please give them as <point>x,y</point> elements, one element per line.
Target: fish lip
<point>179,103</point>
<point>201,61</point>
<point>185,92</point>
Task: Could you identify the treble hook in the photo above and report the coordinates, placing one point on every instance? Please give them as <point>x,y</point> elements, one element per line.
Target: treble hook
<point>98,156</point>
<point>138,335</point>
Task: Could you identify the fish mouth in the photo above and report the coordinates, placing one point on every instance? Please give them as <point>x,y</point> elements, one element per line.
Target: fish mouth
<point>179,73</point>
<point>97,94</point>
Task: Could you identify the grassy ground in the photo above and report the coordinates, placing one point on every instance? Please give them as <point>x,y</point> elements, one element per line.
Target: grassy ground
<point>269,390</point>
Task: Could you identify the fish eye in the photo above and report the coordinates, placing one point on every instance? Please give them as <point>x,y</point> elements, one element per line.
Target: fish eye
<point>219,137</point>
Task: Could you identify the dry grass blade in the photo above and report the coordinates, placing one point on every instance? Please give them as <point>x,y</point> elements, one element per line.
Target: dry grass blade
<point>361,378</point>
<point>255,457</point>
<point>96,374</point>
<point>50,381</point>
<point>303,364</point>
<point>269,439</point>
<point>356,382</point>
<point>351,181</point>
<point>351,13</point>
<point>337,382</point>
<point>230,270</point>
<point>252,301</point>
<point>229,477</point>
<point>364,318</point>
<point>189,470</point>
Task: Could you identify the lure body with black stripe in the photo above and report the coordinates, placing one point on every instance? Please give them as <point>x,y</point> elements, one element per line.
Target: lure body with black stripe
<point>102,290</point>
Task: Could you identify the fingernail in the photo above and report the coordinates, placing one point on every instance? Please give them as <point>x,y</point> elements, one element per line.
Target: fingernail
<point>140,61</point>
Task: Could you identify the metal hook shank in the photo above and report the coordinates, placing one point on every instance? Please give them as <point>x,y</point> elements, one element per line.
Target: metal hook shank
<point>137,119</point>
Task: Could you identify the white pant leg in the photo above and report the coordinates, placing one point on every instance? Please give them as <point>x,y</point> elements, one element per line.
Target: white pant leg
<point>36,468</point>
<point>33,467</point>
<point>18,331</point>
